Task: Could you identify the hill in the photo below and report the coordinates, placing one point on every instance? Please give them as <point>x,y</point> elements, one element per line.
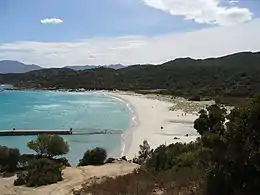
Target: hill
<point>234,75</point>
<point>9,66</point>
<point>113,66</point>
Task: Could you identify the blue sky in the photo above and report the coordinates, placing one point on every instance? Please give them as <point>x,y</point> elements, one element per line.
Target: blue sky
<point>132,24</point>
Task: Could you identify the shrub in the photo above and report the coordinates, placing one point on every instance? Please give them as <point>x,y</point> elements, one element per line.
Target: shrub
<point>24,159</point>
<point>40,172</point>
<point>96,156</point>
<point>110,160</point>
<point>9,158</point>
<point>135,183</point>
<point>63,161</point>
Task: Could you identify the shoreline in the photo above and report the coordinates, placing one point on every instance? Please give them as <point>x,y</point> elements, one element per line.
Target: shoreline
<point>153,119</point>
<point>156,123</point>
<point>127,136</point>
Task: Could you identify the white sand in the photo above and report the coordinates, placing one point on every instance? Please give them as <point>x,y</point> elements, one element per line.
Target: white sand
<point>151,115</point>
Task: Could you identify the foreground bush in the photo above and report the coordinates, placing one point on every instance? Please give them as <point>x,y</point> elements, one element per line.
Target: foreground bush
<point>135,183</point>
<point>9,158</point>
<point>97,156</point>
<point>40,172</point>
<point>187,181</point>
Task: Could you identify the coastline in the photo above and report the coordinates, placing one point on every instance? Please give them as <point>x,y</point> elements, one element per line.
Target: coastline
<point>155,122</point>
<point>159,119</point>
<point>127,136</point>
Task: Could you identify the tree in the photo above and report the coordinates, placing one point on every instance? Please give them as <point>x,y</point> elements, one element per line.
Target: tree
<point>239,167</point>
<point>234,167</point>
<point>144,153</point>
<point>97,156</point>
<point>9,158</point>
<point>211,120</point>
<point>49,145</point>
<point>145,150</point>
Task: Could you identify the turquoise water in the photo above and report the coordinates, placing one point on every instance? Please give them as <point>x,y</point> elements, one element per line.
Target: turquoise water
<point>63,110</point>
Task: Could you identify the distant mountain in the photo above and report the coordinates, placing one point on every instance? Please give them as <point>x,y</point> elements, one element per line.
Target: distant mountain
<point>9,66</point>
<point>113,66</point>
<point>235,75</point>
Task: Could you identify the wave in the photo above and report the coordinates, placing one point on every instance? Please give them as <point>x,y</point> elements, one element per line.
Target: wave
<point>90,102</point>
<point>46,107</point>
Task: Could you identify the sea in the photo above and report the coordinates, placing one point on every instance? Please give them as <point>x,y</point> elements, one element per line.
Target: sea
<point>49,110</point>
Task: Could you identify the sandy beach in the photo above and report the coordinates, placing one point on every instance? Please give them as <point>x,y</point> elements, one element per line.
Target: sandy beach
<point>155,122</point>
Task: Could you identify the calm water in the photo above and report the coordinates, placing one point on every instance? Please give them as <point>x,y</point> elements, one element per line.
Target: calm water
<point>64,110</point>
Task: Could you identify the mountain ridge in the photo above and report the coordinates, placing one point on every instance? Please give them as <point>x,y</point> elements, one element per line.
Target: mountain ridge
<point>235,75</point>
<point>12,66</point>
<point>87,67</point>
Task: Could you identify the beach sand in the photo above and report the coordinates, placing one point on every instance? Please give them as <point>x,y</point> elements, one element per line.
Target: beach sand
<point>73,178</point>
<point>155,122</point>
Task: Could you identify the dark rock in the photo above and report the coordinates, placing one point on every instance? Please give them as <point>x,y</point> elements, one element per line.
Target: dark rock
<point>110,160</point>
<point>124,158</point>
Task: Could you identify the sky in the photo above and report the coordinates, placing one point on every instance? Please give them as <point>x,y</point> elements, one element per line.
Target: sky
<point>57,33</point>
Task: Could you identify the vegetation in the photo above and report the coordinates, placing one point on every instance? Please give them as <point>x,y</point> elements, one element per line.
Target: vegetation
<point>49,145</point>
<point>36,170</point>
<point>144,153</point>
<point>40,172</point>
<point>9,158</point>
<point>235,76</point>
<point>225,160</point>
<point>96,156</point>
<point>43,169</point>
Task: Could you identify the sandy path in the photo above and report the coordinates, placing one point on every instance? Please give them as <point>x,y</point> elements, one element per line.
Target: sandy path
<point>73,178</point>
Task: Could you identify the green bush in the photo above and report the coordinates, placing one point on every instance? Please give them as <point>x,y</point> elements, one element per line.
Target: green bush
<point>25,158</point>
<point>166,157</point>
<point>40,172</point>
<point>9,158</point>
<point>97,156</point>
<point>63,161</point>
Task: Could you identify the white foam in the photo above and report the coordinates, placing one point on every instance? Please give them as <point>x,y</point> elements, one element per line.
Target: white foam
<point>46,107</point>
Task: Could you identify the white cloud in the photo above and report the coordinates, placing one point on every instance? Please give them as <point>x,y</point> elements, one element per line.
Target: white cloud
<point>203,11</point>
<point>233,1</point>
<point>212,42</point>
<point>51,21</point>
